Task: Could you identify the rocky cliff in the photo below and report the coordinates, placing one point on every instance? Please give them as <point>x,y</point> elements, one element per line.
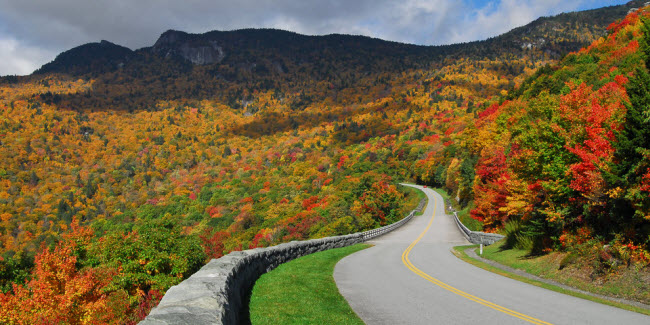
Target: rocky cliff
<point>191,47</point>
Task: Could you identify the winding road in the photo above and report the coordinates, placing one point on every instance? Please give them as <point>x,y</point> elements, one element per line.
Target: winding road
<point>410,276</point>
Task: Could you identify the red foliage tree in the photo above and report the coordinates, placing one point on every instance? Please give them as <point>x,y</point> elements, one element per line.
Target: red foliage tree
<point>490,190</point>
<point>595,117</point>
<point>213,243</point>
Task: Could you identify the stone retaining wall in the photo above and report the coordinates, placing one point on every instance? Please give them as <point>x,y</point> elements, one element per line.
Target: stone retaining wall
<point>217,293</point>
<point>475,237</point>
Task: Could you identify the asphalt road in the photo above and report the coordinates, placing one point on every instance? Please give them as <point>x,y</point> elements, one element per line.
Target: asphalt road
<point>403,280</point>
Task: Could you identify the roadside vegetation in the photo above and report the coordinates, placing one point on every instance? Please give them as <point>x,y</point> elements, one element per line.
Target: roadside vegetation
<point>561,166</point>
<point>303,291</point>
<point>601,274</point>
<point>631,285</point>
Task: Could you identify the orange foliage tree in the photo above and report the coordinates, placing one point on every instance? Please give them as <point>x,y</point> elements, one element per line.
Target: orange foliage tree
<point>60,292</point>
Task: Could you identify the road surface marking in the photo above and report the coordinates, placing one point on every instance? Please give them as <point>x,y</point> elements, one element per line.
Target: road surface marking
<point>407,262</point>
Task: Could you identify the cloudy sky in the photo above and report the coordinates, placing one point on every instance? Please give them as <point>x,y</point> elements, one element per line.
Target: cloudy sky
<point>33,32</point>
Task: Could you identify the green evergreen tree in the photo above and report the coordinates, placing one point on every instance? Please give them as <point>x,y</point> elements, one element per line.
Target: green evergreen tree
<point>632,146</point>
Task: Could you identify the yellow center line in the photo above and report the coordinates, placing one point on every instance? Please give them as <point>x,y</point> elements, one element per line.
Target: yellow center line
<point>407,262</point>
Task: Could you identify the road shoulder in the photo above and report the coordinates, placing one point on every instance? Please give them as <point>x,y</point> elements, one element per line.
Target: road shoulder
<point>468,254</point>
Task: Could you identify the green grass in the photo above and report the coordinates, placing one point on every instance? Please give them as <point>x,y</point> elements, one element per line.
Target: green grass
<point>519,259</point>
<point>626,283</point>
<point>463,214</point>
<point>516,259</point>
<point>303,291</point>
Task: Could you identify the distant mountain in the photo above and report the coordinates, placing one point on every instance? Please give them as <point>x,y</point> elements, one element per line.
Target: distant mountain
<point>551,35</point>
<point>252,46</point>
<point>566,32</point>
<point>230,64</point>
<point>259,50</point>
<point>89,58</point>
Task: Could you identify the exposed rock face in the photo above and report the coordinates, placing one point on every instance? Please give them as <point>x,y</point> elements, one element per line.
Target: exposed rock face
<point>194,49</point>
<point>203,54</point>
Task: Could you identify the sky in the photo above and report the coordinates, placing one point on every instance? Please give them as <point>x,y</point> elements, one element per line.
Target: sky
<point>33,32</point>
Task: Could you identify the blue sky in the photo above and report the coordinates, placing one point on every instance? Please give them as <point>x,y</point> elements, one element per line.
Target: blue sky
<point>33,32</point>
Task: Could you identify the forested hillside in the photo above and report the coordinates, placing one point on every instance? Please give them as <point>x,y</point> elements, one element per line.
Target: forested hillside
<point>562,162</point>
<point>122,172</point>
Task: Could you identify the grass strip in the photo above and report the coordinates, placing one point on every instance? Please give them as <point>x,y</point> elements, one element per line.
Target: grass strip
<point>303,291</point>
<point>459,251</point>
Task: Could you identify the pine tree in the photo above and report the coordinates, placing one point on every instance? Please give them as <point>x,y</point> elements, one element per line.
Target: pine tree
<point>632,147</point>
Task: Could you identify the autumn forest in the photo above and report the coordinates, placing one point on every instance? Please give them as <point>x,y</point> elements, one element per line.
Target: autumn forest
<point>123,172</point>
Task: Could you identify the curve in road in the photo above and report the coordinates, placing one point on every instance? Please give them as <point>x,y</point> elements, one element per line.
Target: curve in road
<point>410,276</point>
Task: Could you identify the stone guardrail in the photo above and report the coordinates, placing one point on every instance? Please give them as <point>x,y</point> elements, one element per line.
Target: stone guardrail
<point>475,237</point>
<point>217,293</point>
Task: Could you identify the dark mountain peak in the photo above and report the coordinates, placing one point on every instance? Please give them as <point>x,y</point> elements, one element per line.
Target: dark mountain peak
<point>196,48</point>
<point>97,57</point>
<point>106,43</point>
<point>170,37</point>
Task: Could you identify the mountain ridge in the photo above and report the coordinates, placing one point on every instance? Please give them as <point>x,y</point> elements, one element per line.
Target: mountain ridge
<point>233,65</point>
<point>211,44</point>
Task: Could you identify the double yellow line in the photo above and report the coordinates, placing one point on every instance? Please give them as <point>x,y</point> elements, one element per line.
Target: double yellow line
<point>407,262</point>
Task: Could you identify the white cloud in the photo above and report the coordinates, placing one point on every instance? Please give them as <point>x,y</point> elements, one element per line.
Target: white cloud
<point>16,58</point>
<point>496,19</point>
